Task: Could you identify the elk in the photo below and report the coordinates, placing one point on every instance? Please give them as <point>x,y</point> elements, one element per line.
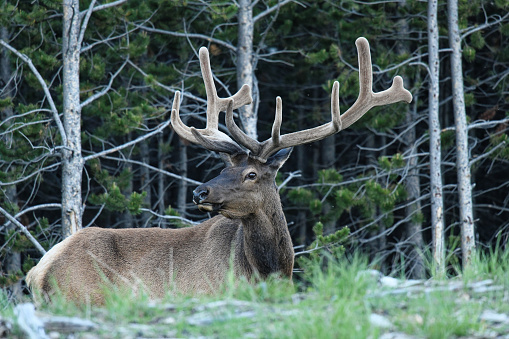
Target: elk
<point>249,235</point>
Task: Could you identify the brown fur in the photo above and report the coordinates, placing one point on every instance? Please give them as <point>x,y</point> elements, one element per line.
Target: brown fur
<point>252,228</point>
<point>251,234</point>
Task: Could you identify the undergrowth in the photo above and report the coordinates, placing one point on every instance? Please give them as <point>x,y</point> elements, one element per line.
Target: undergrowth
<point>328,299</point>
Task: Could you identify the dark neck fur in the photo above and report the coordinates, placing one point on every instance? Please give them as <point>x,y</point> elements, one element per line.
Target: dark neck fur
<point>267,245</point>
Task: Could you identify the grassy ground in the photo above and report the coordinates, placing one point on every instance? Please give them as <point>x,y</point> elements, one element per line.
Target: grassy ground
<point>339,301</point>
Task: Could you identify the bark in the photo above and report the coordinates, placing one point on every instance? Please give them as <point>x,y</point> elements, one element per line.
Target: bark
<point>146,181</point>
<point>376,232</point>
<point>182,188</point>
<point>435,151</point>
<point>413,228</point>
<point>381,242</point>
<point>462,158</point>
<point>12,259</point>
<point>160,176</point>
<point>128,219</point>
<point>72,160</point>
<point>328,158</point>
<point>302,159</point>
<point>245,71</point>
<point>329,151</point>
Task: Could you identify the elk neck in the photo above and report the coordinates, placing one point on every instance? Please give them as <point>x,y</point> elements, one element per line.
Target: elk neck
<point>266,242</point>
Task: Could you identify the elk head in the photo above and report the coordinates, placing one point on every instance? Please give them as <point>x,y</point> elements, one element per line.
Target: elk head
<point>244,187</point>
<point>246,184</point>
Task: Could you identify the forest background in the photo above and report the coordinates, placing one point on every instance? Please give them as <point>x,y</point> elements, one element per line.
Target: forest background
<point>87,87</point>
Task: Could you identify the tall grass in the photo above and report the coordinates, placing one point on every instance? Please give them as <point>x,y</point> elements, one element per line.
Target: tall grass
<point>331,298</point>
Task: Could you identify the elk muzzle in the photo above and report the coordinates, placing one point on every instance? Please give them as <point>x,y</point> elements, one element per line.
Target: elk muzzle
<point>200,195</point>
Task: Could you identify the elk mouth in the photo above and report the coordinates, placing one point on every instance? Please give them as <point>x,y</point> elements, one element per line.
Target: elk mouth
<point>209,207</point>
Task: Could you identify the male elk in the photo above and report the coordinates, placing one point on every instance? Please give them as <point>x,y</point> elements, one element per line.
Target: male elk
<point>249,233</point>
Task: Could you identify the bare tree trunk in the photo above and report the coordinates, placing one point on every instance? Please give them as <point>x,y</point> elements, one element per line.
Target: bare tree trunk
<point>328,146</point>
<point>377,245</point>
<point>381,242</point>
<point>462,159</point>
<point>245,72</point>
<point>13,258</point>
<point>413,228</point>
<point>146,181</point>
<point>328,151</point>
<point>182,190</point>
<point>72,209</point>
<point>435,151</point>
<point>302,158</point>
<point>160,176</point>
<point>128,219</point>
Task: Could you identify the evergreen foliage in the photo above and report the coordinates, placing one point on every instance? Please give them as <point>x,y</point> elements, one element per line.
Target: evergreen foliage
<point>139,54</point>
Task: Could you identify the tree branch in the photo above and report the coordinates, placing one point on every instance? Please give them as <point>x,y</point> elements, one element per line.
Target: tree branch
<point>170,217</point>
<point>173,175</point>
<point>274,8</point>
<point>130,143</point>
<point>478,124</point>
<point>484,155</point>
<point>106,89</point>
<point>188,35</point>
<point>467,32</point>
<point>105,6</point>
<point>296,174</point>
<point>52,166</point>
<point>24,230</point>
<point>45,88</point>
<point>168,88</point>
<point>84,23</point>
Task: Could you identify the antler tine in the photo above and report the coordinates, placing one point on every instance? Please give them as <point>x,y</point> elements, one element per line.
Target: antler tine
<point>176,122</point>
<point>276,126</point>
<point>239,136</point>
<point>262,150</point>
<point>215,105</point>
<point>222,146</point>
<point>367,99</point>
<point>257,148</point>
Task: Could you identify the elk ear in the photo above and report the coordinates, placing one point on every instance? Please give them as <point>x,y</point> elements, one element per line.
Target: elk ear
<point>278,159</point>
<point>232,159</point>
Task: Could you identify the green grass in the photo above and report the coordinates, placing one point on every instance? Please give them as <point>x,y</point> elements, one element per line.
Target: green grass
<point>332,300</point>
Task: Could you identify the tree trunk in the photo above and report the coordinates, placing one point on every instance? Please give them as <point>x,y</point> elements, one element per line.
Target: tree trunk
<point>435,151</point>
<point>413,227</point>
<point>328,146</point>
<point>12,258</point>
<point>245,72</point>
<point>182,188</point>
<point>328,158</point>
<point>128,220</point>
<point>72,160</point>
<point>160,176</point>
<point>146,181</point>
<point>377,245</point>
<point>302,163</point>
<point>462,159</point>
<point>381,242</point>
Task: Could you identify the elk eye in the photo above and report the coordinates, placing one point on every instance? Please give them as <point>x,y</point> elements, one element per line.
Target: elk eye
<point>251,176</point>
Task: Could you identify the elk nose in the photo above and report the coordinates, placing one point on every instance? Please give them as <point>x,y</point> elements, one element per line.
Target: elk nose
<point>200,194</point>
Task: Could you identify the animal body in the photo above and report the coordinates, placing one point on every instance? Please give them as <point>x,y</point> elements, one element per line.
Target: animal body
<point>248,236</point>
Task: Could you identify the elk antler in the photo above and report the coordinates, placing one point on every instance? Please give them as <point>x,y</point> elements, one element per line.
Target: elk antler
<point>367,99</point>
<point>210,137</point>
